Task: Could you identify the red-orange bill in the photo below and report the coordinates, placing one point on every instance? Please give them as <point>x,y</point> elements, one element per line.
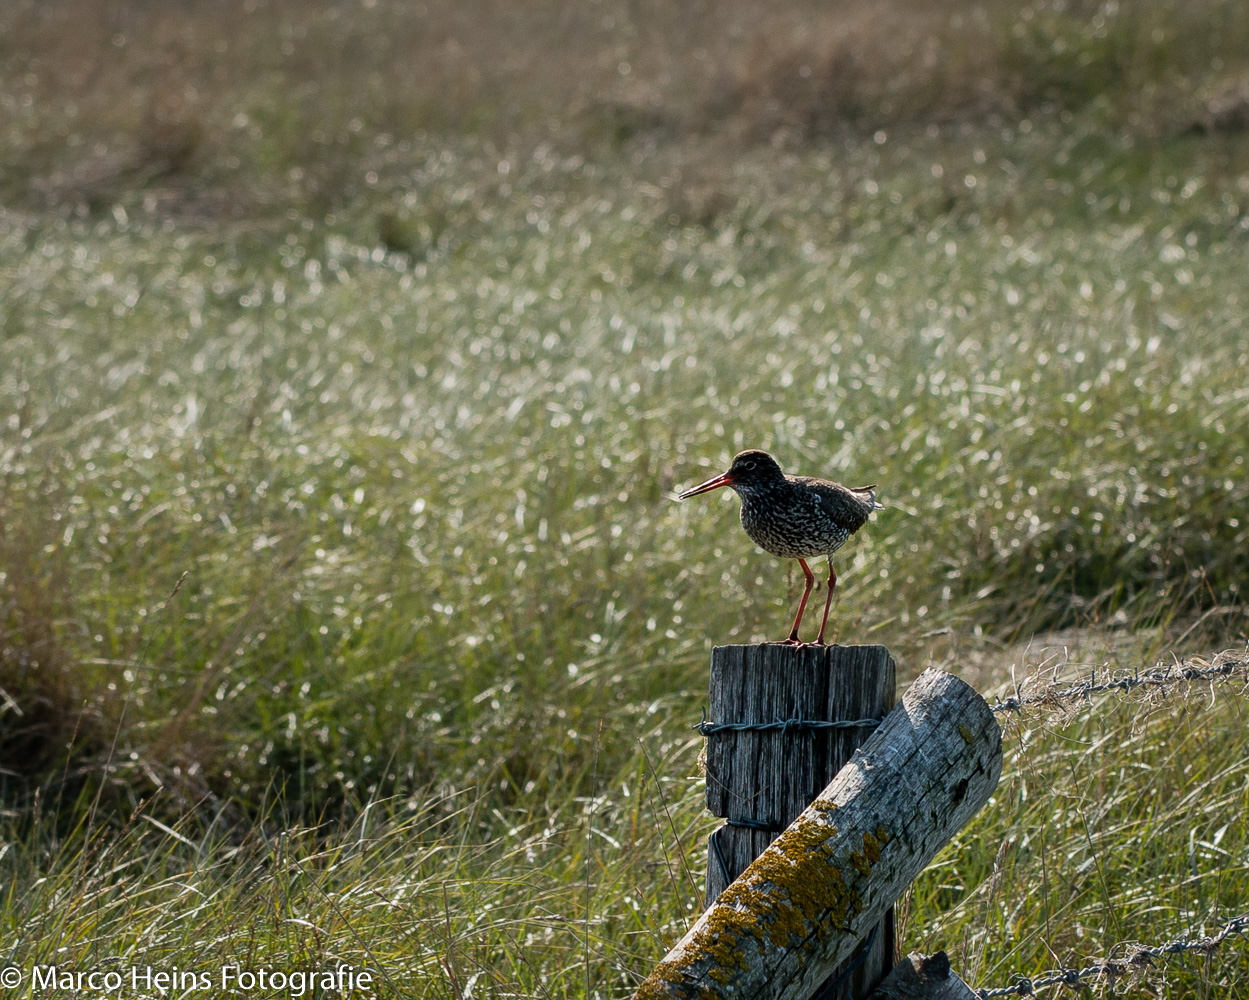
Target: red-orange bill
<point>711,484</point>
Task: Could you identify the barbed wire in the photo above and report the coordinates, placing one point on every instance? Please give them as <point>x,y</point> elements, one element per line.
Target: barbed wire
<point>1054,694</point>
<point>1159,677</point>
<point>1137,959</point>
<point>706,728</point>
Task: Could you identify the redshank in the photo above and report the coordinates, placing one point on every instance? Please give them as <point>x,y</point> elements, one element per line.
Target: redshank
<point>794,517</point>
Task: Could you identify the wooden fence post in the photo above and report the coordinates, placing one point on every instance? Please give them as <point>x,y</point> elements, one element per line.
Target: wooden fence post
<point>801,908</point>
<point>923,977</point>
<point>760,780</point>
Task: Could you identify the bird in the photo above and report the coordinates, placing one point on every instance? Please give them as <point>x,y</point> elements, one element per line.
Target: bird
<point>794,517</point>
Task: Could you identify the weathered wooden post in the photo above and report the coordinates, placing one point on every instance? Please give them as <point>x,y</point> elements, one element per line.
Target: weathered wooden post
<point>923,977</point>
<point>802,907</point>
<point>778,731</point>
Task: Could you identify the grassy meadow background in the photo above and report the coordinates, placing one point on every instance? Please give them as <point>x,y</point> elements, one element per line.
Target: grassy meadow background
<point>351,355</point>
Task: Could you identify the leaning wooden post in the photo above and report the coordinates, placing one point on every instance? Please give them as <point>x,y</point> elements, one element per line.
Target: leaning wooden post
<point>760,780</point>
<point>800,909</point>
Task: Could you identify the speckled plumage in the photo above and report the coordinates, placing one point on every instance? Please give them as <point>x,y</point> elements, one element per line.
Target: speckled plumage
<point>794,517</point>
<point>797,517</point>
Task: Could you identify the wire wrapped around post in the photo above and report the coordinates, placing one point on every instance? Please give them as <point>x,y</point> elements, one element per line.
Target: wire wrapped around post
<point>782,720</point>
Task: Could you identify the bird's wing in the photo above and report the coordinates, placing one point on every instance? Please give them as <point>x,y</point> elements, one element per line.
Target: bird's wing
<point>849,507</point>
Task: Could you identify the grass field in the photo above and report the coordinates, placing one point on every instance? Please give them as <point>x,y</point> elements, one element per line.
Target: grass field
<point>345,610</point>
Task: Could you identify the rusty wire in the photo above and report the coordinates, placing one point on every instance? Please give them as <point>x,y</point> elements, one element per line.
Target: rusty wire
<point>1157,678</point>
<point>1137,959</point>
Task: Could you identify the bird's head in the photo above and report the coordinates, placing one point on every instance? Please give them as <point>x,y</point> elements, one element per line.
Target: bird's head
<point>750,469</point>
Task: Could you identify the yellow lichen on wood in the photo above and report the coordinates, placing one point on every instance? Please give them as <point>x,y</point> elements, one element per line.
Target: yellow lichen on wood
<point>788,891</point>
<point>718,943</point>
<point>721,939</point>
<point>789,916</point>
<point>871,848</point>
<point>793,895</point>
<point>660,985</point>
<point>782,895</point>
<point>865,860</point>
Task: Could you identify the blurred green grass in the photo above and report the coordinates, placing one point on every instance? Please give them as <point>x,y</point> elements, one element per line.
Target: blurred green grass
<point>395,485</point>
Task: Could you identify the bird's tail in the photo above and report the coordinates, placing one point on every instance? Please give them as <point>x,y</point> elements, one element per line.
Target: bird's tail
<point>870,493</point>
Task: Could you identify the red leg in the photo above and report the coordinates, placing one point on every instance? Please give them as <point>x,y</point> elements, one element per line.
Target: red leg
<point>802,605</point>
<point>828,601</point>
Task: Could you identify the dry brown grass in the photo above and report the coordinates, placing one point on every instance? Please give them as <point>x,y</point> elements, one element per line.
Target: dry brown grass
<point>280,98</point>
<point>1152,66</point>
<point>47,713</point>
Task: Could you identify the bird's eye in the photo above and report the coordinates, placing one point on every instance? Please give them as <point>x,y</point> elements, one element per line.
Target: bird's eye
<point>748,464</point>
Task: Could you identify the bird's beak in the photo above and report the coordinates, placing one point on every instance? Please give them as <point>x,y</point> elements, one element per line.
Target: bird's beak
<point>711,484</point>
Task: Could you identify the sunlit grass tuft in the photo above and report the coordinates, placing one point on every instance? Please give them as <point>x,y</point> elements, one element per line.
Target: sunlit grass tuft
<point>1121,821</point>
